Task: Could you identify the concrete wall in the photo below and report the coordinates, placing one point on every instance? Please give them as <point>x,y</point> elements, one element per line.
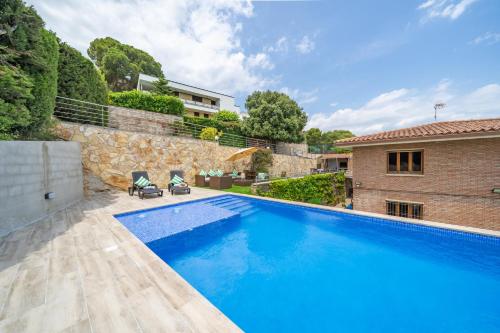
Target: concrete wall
<point>28,170</point>
<point>456,186</point>
<point>112,155</point>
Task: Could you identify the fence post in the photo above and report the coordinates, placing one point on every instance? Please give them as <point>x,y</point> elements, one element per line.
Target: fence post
<point>102,115</point>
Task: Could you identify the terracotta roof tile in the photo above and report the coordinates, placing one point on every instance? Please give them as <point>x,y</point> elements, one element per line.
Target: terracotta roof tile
<point>428,131</point>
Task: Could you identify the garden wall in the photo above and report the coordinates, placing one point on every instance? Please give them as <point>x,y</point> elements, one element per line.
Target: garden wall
<point>28,170</point>
<point>141,121</point>
<point>113,154</point>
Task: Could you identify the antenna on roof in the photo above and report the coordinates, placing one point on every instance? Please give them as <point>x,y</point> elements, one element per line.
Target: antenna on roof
<point>438,106</point>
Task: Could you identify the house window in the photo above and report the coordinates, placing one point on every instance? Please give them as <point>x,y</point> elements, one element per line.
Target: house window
<point>196,114</point>
<point>405,162</point>
<point>197,98</point>
<point>214,103</point>
<point>205,115</point>
<point>405,209</point>
<point>176,93</point>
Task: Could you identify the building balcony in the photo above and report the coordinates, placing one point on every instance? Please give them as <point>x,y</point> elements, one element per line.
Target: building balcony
<point>200,106</point>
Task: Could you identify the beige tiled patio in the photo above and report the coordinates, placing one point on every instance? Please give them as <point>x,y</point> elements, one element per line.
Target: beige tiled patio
<point>80,270</point>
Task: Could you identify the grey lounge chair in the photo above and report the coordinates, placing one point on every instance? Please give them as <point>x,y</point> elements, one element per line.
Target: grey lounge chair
<point>150,189</point>
<point>178,189</point>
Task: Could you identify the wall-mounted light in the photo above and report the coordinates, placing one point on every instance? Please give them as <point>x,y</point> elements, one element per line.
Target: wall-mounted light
<point>496,190</point>
<point>357,184</point>
<point>50,195</point>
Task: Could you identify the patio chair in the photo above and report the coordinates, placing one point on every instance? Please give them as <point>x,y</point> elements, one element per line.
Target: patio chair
<point>201,179</point>
<point>146,189</point>
<point>221,182</point>
<point>262,177</point>
<point>178,188</point>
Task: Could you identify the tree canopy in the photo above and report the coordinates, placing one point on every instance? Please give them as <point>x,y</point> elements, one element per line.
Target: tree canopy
<point>274,115</point>
<point>78,78</point>
<point>160,87</point>
<point>226,115</point>
<point>314,136</point>
<point>122,63</point>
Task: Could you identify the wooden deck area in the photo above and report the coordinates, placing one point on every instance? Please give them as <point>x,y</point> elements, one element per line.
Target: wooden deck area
<point>81,271</point>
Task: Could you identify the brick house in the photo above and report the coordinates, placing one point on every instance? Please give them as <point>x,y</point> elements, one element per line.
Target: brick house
<point>444,172</point>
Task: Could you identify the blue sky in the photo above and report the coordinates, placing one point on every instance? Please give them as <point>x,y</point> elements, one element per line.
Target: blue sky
<point>359,65</point>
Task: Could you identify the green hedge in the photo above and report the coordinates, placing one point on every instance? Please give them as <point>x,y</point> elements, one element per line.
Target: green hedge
<point>149,102</point>
<point>327,189</point>
<point>44,90</point>
<point>79,78</point>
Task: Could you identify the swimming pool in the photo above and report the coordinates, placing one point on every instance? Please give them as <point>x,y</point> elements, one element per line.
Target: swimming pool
<point>274,267</point>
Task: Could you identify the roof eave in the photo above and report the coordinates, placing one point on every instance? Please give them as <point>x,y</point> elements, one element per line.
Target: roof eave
<point>465,136</point>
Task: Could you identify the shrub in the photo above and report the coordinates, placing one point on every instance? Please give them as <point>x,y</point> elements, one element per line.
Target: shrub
<point>78,78</point>
<point>209,133</point>
<point>149,102</point>
<point>328,189</point>
<point>233,137</point>
<point>226,115</point>
<point>262,160</point>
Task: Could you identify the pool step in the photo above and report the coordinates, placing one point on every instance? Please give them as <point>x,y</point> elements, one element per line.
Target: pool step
<point>233,205</point>
<point>244,208</point>
<point>249,212</point>
<point>218,201</point>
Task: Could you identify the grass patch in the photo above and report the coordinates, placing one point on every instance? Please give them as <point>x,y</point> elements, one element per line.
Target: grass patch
<point>239,189</point>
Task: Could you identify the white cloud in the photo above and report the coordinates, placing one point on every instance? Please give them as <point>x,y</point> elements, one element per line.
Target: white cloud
<point>281,46</point>
<point>408,107</point>
<point>488,38</point>
<point>196,41</point>
<point>305,45</point>
<point>301,97</point>
<point>334,104</point>
<point>260,60</point>
<point>451,9</point>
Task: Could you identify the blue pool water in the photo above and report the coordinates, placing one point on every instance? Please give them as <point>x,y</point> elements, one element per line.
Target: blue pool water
<point>274,267</point>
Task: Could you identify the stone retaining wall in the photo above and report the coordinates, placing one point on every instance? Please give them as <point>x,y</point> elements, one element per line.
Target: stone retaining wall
<point>113,154</point>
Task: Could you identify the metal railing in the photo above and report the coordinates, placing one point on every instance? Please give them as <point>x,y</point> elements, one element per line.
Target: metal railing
<point>210,106</point>
<point>82,112</point>
<point>76,111</point>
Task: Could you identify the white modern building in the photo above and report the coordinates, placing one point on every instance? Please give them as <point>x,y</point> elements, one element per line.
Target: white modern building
<point>198,102</point>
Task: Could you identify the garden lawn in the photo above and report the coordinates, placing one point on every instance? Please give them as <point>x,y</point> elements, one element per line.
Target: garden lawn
<point>239,189</point>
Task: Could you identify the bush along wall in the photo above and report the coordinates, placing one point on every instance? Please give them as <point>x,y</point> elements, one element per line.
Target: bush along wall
<point>148,102</point>
<point>28,68</point>
<point>232,132</point>
<point>325,189</point>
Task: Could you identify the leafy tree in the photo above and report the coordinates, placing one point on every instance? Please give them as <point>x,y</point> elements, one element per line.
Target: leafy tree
<point>78,78</point>
<point>262,160</point>
<point>160,87</point>
<point>331,136</point>
<point>313,136</point>
<point>226,115</point>
<point>275,116</point>
<point>122,63</point>
<point>28,64</point>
